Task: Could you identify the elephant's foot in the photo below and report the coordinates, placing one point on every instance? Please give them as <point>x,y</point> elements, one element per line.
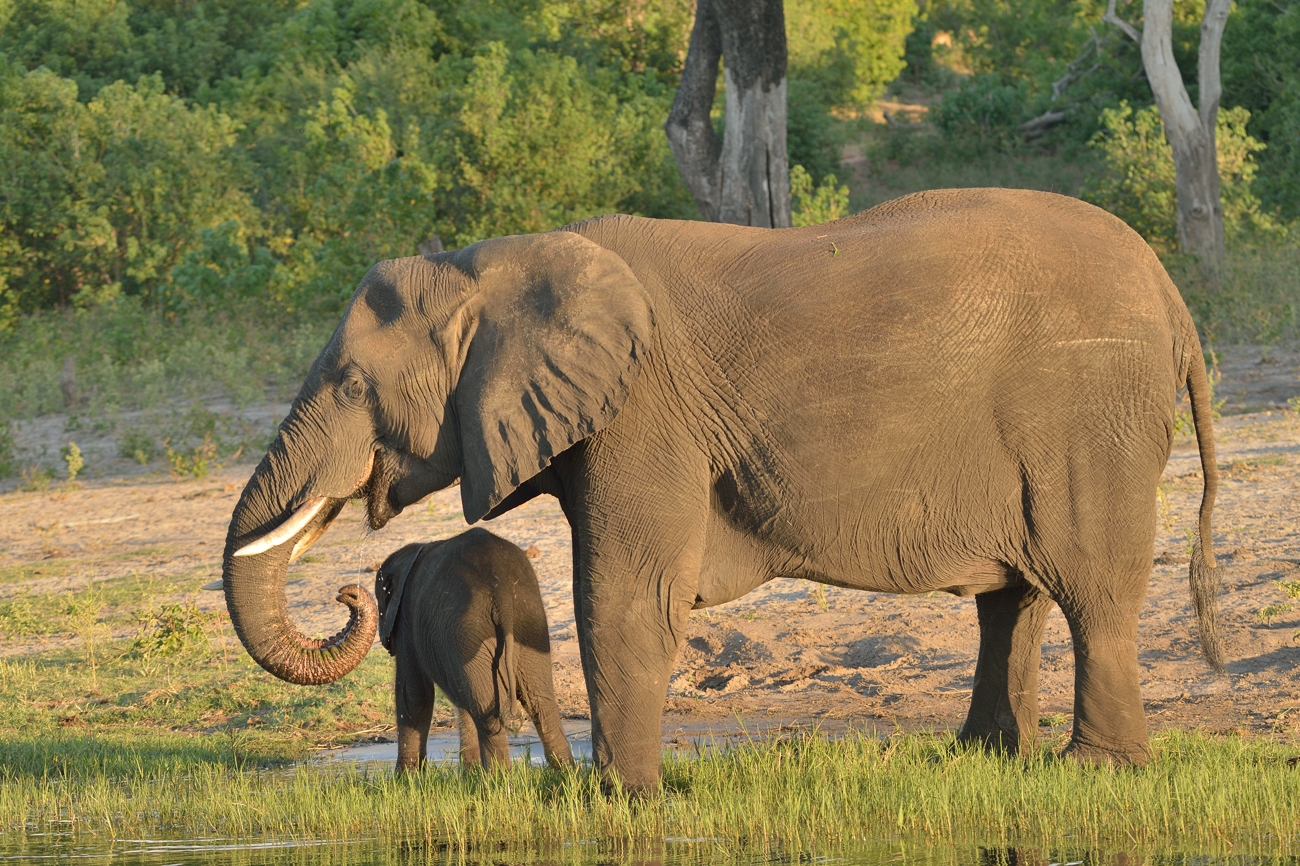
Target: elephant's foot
<point>1133,753</point>
<point>999,740</point>
<point>611,785</point>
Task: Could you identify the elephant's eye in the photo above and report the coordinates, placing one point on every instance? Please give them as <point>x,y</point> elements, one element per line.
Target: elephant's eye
<point>354,389</point>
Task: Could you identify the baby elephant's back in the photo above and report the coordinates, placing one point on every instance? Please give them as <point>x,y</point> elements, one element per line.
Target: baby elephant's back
<point>479,576</point>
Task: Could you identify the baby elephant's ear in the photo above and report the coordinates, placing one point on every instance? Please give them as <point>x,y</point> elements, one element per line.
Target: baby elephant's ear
<point>561,336</point>
<point>390,582</point>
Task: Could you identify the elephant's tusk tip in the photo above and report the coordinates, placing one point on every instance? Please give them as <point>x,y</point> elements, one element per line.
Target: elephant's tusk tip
<point>259,546</point>
<point>287,530</point>
<point>216,585</point>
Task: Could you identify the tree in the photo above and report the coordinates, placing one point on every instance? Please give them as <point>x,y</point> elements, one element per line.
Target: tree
<point>744,178</point>
<point>1191,131</point>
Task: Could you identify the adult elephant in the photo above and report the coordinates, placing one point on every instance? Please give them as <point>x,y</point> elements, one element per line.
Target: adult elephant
<point>962,390</point>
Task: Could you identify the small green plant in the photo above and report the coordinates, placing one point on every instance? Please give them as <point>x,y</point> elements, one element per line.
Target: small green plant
<point>18,618</point>
<point>818,595</point>
<point>171,630</point>
<point>138,445</point>
<point>72,459</point>
<point>36,478</point>
<point>813,206</point>
<point>195,462</point>
<point>1164,510</point>
<point>83,613</point>
<point>1291,589</point>
<point>8,450</point>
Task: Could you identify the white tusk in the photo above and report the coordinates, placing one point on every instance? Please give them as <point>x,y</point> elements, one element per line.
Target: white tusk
<point>215,586</point>
<point>286,530</point>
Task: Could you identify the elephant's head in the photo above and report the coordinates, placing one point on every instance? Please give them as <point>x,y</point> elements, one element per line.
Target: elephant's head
<point>480,365</point>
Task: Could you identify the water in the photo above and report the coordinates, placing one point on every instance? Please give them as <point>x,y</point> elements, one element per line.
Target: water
<point>444,748</point>
<point>56,849</point>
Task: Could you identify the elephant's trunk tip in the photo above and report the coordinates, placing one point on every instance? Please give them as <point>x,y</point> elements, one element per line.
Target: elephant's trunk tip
<point>333,657</point>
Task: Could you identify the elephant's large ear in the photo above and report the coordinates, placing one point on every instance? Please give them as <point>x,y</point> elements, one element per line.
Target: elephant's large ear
<point>563,326</point>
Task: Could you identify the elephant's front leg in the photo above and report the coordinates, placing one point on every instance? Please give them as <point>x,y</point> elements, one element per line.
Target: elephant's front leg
<point>414,698</point>
<point>630,630</point>
<point>1004,702</point>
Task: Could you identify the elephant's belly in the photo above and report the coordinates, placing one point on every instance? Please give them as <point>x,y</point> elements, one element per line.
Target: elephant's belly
<point>735,563</point>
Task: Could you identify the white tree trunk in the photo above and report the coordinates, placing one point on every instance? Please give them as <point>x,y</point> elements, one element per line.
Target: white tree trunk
<point>1190,132</point>
<point>755,187</point>
<point>745,178</point>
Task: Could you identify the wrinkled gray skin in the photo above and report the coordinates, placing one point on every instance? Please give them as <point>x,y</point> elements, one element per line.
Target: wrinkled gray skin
<point>466,615</point>
<point>960,390</point>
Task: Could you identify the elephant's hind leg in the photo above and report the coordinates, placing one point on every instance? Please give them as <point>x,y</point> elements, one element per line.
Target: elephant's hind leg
<point>1004,702</point>
<point>1109,723</point>
<point>537,694</point>
<point>494,743</point>
<point>470,753</point>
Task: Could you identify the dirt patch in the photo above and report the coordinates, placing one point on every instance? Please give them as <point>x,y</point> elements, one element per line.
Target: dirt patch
<point>786,652</point>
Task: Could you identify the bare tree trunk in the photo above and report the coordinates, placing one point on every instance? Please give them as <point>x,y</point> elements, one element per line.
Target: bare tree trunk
<point>744,178</point>
<point>1190,131</point>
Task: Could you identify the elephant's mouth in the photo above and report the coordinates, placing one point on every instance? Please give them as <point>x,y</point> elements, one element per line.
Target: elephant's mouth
<point>378,490</point>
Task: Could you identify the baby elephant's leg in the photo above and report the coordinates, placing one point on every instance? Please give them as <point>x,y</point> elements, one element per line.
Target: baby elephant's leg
<point>414,714</point>
<point>470,755</point>
<point>493,744</point>
<point>537,694</point>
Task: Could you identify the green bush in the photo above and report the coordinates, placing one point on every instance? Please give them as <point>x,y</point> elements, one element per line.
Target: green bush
<point>1261,72</point>
<point>981,114</point>
<point>8,455</point>
<point>813,206</point>
<point>851,49</point>
<point>172,629</point>
<point>101,199</point>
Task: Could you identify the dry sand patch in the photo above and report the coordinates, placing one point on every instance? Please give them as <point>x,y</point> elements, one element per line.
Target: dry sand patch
<point>775,656</point>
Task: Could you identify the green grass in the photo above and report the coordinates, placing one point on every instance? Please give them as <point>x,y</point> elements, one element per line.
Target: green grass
<point>1200,794</point>
<point>1258,299</point>
<point>134,658</point>
<point>128,357</point>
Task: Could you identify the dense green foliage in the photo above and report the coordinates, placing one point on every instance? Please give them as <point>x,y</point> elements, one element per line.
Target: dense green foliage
<point>1261,72</point>
<point>1016,51</point>
<point>222,151</point>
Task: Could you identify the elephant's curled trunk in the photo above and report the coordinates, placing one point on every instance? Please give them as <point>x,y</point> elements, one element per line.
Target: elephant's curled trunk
<point>254,588</point>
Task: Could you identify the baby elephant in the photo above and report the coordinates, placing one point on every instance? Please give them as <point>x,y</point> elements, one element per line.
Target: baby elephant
<point>466,614</point>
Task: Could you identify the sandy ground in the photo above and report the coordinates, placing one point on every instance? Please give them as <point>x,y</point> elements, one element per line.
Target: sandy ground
<point>779,655</point>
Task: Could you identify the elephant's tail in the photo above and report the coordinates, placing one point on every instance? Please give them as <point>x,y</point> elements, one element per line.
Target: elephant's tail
<point>1203,574</point>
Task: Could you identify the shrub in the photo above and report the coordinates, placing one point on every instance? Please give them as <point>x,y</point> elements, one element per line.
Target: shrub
<point>8,450</point>
<point>982,114</point>
<point>172,629</point>
<point>813,206</point>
